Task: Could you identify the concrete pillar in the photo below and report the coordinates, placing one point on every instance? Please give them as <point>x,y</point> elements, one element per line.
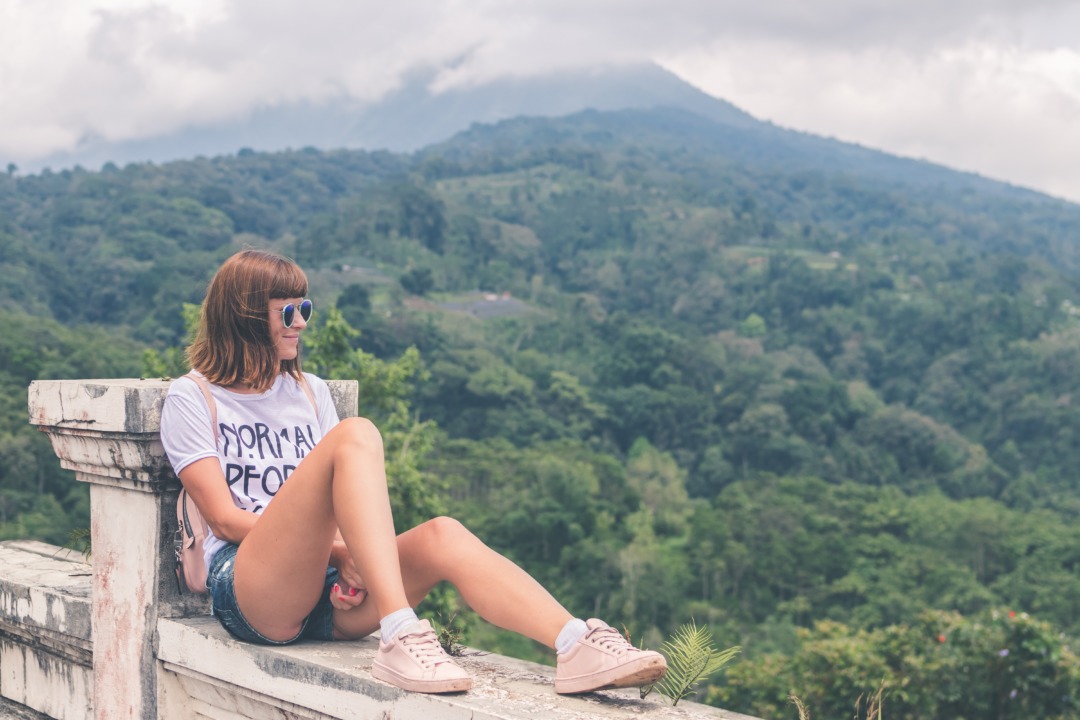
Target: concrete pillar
<point>107,432</point>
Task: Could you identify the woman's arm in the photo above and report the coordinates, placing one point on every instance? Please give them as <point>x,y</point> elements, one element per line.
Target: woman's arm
<point>206,484</point>
<point>342,560</point>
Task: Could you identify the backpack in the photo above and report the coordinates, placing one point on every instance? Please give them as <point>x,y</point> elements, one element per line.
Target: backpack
<point>190,536</point>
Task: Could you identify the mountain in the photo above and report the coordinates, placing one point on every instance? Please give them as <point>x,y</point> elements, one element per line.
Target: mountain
<point>709,133</point>
<point>640,101</point>
<point>410,118</point>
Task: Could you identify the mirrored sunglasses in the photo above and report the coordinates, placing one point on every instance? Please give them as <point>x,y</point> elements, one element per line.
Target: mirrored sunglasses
<point>288,313</point>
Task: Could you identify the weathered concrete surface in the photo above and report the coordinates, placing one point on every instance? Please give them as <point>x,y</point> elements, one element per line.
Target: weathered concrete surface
<point>208,674</point>
<point>125,526</point>
<point>14,711</point>
<point>107,432</point>
<point>45,631</point>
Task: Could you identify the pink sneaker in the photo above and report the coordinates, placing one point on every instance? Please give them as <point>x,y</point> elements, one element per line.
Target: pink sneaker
<point>415,661</point>
<point>602,658</point>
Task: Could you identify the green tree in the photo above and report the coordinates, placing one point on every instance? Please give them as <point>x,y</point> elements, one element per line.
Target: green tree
<point>384,390</point>
<point>998,664</point>
<point>418,281</point>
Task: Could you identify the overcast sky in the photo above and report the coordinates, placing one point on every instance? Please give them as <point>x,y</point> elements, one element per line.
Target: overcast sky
<point>991,86</point>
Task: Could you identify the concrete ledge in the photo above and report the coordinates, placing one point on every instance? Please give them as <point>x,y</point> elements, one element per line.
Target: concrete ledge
<point>15,711</point>
<point>44,588</point>
<point>206,673</point>
<point>46,651</point>
<point>143,662</point>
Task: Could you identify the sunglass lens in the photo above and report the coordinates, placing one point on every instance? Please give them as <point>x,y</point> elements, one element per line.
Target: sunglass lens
<point>288,313</point>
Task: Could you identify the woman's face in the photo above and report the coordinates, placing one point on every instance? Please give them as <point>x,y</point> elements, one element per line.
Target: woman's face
<point>286,340</point>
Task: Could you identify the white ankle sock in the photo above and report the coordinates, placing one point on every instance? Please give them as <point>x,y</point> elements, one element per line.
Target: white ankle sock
<point>572,631</point>
<point>395,622</point>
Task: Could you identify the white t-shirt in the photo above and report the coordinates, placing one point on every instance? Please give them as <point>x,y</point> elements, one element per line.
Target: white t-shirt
<point>261,437</point>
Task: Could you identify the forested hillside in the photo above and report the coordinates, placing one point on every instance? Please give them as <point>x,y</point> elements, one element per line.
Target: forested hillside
<point>821,399</point>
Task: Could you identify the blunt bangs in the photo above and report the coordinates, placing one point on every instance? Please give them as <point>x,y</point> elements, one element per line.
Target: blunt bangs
<point>289,281</point>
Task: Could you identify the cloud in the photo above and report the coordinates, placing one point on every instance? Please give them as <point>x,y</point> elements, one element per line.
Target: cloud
<point>1008,108</point>
<point>128,71</point>
<point>988,85</point>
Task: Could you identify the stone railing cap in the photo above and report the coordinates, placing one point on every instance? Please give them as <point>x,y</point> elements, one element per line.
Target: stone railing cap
<point>126,405</point>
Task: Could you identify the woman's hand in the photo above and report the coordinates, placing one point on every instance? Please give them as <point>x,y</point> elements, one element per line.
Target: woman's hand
<point>344,597</point>
<point>350,591</point>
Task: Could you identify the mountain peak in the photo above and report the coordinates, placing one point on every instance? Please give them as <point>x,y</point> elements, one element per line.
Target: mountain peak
<point>412,117</point>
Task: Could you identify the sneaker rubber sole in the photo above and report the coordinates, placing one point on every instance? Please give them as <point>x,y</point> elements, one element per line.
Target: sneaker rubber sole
<point>452,685</point>
<point>640,672</point>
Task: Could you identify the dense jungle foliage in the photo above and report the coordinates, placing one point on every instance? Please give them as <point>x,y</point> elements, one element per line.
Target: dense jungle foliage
<point>817,398</point>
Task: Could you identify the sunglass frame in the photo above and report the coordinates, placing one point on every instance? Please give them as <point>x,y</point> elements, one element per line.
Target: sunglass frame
<point>288,313</point>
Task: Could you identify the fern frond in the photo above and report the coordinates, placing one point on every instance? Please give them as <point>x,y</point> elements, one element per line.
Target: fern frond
<point>691,658</point>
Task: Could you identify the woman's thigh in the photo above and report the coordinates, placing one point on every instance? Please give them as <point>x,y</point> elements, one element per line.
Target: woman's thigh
<point>281,562</point>
<point>317,625</point>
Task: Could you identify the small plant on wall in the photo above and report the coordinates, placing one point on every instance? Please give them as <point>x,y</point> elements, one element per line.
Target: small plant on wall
<point>691,658</point>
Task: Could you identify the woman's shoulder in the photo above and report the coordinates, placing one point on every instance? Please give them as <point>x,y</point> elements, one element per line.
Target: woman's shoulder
<point>317,384</point>
<point>314,380</point>
<point>185,385</point>
<point>325,407</point>
<point>194,385</point>
<point>183,403</point>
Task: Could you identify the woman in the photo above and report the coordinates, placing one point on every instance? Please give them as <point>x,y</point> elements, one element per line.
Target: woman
<point>322,560</point>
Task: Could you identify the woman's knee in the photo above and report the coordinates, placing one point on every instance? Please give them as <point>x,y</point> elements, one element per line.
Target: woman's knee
<point>445,533</point>
<point>359,432</point>
<point>434,550</point>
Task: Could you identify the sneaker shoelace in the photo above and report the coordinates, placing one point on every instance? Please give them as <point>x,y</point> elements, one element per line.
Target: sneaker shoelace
<point>611,639</point>
<point>425,647</point>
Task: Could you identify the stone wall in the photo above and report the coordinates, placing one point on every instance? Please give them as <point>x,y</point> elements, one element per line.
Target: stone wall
<point>116,639</point>
<point>45,640</point>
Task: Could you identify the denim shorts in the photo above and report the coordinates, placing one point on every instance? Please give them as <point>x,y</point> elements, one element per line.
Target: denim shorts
<point>318,625</point>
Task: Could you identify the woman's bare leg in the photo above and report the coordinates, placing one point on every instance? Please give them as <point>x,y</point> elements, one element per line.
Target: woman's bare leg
<point>281,563</point>
<point>497,589</point>
<point>341,485</point>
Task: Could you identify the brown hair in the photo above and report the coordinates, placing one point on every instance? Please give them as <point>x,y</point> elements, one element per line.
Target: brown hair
<point>233,341</point>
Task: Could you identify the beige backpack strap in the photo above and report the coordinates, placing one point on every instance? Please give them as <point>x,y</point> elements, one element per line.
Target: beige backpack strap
<point>205,387</point>
<point>310,395</point>
<point>192,526</point>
